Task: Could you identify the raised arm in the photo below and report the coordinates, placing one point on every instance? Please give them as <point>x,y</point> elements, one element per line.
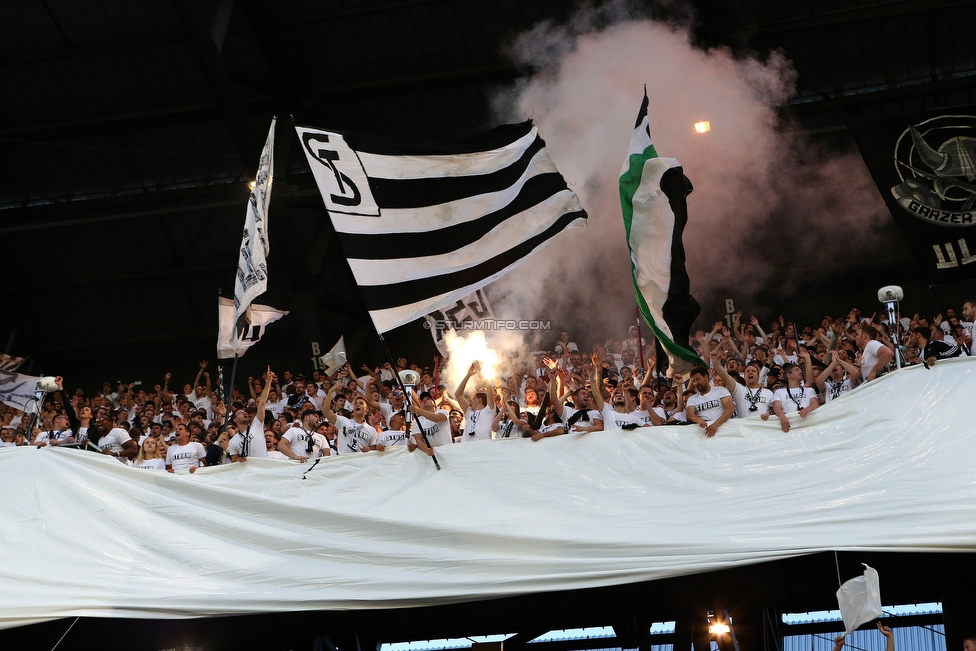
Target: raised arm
<point>206,377</point>
<point>263,399</point>
<point>327,403</point>
<point>595,387</point>
<point>418,410</point>
<point>459,394</point>
<point>69,406</point>
<point>889,636</point>
<point>679,384</point>
<point>804,354</point>
<point>373,404</point>
<point>720,370</point>
<point>755,324</point>
<point>196,380</point>
<point>822,378</point>
<point>853,372</point>
<point>711,335</point>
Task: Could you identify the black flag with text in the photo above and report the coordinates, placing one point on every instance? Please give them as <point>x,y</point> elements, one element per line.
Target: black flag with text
<point>925,168</point>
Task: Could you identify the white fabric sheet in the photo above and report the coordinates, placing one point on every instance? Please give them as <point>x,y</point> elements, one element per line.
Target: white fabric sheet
<point>887,467</point>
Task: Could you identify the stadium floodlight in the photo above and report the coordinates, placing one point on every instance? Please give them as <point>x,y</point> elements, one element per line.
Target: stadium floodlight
<point>719,628</point>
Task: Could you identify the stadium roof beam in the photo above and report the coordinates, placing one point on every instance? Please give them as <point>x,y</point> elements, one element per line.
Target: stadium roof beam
<point>843,16</point>
<point>126,275</point>
<point>355,9</point>
<point>78,213</point>
<point>92,49</point>
<point>854,99</point>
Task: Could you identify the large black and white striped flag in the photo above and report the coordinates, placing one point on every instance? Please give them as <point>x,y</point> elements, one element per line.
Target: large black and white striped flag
<point>425,226</point>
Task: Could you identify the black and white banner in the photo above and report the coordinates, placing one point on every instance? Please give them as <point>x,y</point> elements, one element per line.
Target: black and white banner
<point>925,168</point>
<point>233,341</point>
<point>9,363</point>
<point>17,390</point>
<point>465,313</point>
<point>425,226</point>
<point>252,266</point>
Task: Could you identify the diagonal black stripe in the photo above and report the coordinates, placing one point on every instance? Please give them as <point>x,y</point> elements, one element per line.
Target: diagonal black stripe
<point>384,246</point>
<point>388,144</point>
<point>381,297</point>
<point>416,193</point>
<point>680,309</point>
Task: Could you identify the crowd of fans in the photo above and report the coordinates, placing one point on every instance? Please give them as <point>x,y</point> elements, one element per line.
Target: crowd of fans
<point>538,392</point>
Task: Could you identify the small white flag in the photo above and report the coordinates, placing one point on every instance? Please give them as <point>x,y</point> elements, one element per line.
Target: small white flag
<point>231,342</point>
<point>17,390</point>
<point>860,599</point>
<point>335,358</point>
<point>252,266</point>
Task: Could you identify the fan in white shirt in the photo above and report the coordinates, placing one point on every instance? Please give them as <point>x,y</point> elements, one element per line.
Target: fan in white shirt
<point>150,456</point>
<point>185,454</point>
<point>299,442</point>
<point>355,434</point>
<point>551,427</point>
<point>750,400</point>
<point>114,440</point>
<point>59,433</point>
<point>710,406</point>
<point>397,435</point>
<point>874,355</point>
<point>583,416</point>
<point>793,398</point>
<point>479,415</point>
<point>507,424</point>
<point>615,414</point>
<point>838,378</point>
<point>429,420</point>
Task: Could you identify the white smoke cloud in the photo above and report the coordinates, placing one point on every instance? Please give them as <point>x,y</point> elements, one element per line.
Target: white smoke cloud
<point>765,202</point>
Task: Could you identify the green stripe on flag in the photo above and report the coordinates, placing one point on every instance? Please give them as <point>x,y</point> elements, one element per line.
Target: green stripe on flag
<point>629,183</point>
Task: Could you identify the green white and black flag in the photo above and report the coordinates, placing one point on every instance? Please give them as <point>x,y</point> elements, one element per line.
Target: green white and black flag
<point>925,168</point>
<point>652,198</point>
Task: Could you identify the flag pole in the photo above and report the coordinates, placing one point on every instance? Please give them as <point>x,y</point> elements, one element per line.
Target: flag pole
<point>640,340</point>
<point>406,398</point>
<point>229,391</point>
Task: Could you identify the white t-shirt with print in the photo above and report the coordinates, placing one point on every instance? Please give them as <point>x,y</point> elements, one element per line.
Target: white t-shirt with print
<point>709,407</point>
<point>184,457</point>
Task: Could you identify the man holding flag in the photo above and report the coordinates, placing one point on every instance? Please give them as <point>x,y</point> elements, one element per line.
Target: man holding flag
<point>652,199</point>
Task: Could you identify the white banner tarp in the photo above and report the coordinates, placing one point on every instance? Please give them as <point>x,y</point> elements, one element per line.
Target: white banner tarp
<point>887,467</point>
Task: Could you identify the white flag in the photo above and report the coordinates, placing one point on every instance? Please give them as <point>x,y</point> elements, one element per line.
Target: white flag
<point>17,390</point>
<point>471,309</point>
<point>230,342</point>
<point>8,363</point>
<point>860,599</point>
<point>335,358</point>
<point>252,266</point>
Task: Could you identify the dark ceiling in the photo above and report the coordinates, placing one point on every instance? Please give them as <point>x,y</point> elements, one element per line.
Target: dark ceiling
<point>131,128</point>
